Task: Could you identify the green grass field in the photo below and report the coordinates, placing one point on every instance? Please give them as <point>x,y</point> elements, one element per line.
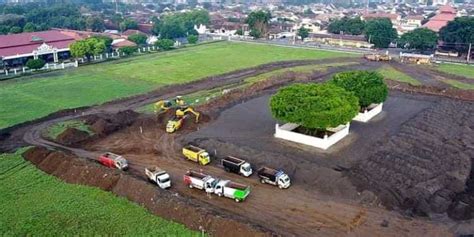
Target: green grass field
<point>391,74</point>
<point>33,203</point>
<point>35,96</point>
<point>458,69</point>
<point>460,85</point>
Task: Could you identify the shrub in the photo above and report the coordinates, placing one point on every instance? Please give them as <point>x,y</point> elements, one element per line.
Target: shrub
<point>192,39</point>
<point>35,63</point>
<point>314,106</point>
<point>128,50</point>
<point>139,39</point>
<point>164,44</point>
<point>368,86</point>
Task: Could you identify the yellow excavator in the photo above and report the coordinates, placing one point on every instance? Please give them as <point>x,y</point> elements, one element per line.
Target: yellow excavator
<point>164,105</point>
<point>177,121</point>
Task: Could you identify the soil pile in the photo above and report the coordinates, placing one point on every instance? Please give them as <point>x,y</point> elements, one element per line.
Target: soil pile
<point>192,213</point>
<point>425,165</point>
<point>72,136</point>
<point>104,124</point>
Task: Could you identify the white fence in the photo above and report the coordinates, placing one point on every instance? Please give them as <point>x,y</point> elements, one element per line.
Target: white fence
<point>369,114</point>
<point>286,132</point>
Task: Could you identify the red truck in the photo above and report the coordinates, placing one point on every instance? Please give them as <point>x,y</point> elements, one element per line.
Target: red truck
<point>112,160</point>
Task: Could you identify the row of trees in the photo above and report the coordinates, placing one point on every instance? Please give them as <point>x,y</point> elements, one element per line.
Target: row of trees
<point>317,107</point>
<point>458,34</point>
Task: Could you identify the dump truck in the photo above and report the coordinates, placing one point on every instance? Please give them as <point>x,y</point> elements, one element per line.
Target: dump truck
<point>236,165</point>
<point>112,160</point>
<point>174,124</point>
<point>196,154</point>
<point>158,176</point>
<point>200,181</point>
<point>274,177</point>
<point>236,191</point>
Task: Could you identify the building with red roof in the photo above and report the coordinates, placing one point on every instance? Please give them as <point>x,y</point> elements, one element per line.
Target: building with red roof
<point>445,14</point>
<point>51,45</point>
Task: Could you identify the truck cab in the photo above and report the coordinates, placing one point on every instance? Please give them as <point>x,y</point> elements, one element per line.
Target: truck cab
<point>163,180</point>
<point>236,165</point>
<point>174,124</point>
<point>246,169</point>
<point>283,181</point>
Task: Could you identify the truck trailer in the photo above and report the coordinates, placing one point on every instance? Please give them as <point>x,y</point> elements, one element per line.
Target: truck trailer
<point>196,154</point>
<point>200,181</point>
<point>112,160</point>
<point>236,165</point>
<point>274,177</point>
<point>158,176</point>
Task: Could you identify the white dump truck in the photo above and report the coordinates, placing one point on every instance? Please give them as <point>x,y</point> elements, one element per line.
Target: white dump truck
<point>236,191</point>
<point>158,176</point>
<point>200,180</point>
<point>274,177</point>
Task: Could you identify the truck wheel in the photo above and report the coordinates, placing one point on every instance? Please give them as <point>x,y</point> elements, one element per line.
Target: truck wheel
<point>219,194</point>
<point>190,186</point>
<point>262,181</point>
<point>237,200</point>
<point>281,187</point>
<point>227,169</point>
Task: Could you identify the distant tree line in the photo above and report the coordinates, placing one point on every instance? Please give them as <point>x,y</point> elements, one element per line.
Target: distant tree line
<point>179,25</point>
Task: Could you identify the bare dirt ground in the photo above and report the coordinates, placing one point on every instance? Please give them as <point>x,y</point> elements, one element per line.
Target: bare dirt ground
<point>341,192</point>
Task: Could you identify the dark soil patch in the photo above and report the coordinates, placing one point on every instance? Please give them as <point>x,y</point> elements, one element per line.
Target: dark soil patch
<point>72,136</point>
<point>192,213</point>
<point>426,165</point>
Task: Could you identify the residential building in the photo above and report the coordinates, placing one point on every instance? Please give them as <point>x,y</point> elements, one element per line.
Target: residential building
<point>445,14</point>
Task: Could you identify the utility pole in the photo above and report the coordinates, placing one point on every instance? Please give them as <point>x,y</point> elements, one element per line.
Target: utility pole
<point>469,53</point>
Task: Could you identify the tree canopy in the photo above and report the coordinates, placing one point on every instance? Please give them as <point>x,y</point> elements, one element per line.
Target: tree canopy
<point>368,86</point>
<point>346,25</point>
<point>192,39</point>
<point>179,25</point>
<point>314,106</point>
<point>95,23</point>
<point>258,23</point>
<point>458,34</point>
<point>420,39</point>
<point>139,39</point>
<point>128,24</point>
<point>88,47</point>
<point>380,32</point>
<point>303,33</point>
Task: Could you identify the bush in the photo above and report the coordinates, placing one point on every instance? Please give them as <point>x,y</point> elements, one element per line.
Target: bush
<point>164,44</point>
<point>139,39</point>
<point>128,50</point>
<point>35,63</point>
<point>314,106</point>
<point>192,39</point>
<point>369,87</point>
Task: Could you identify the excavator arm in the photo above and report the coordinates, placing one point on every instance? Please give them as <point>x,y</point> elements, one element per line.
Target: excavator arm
<point>183,112</point>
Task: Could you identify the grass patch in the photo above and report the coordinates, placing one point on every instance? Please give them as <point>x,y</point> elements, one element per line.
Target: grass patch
<point>459,85</point>
<point>392,74</point>
<point>458,69</point>
<point>39,95</point>
<point>33,203</point>
<point>54,130</point>
<point>201,97</point>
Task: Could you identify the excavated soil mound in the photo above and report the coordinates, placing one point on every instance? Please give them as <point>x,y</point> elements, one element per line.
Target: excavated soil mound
<point>427,164</point>
<point>72,136</point>
<point>104,124</point>
<point>192,213</point>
